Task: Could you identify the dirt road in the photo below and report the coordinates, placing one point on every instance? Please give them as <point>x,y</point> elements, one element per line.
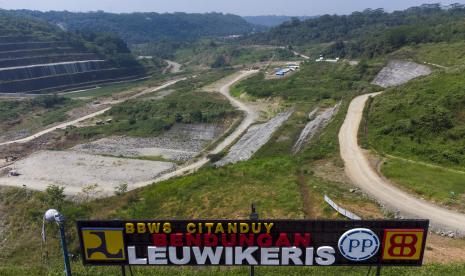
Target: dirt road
<point>92,115</point>
<point>250,117</point>
<point>362,174</point>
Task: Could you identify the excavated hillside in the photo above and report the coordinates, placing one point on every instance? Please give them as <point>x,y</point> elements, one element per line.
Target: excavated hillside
<point>29,65</point>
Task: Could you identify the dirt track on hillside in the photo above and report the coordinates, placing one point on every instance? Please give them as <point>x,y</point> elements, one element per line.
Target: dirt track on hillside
<point>362,174</point>
<point>92,115</point>
<point>250,117</point>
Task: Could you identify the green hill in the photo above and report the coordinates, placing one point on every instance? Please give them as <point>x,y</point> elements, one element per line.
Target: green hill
<point>136,28</point>
<point>423,120</point>
<point>371,32</point>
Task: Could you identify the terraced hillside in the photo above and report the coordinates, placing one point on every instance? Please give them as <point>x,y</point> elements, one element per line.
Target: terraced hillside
<point>38,58</point>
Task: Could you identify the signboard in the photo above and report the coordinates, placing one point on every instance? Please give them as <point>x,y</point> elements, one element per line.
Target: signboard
<point>253,242</point>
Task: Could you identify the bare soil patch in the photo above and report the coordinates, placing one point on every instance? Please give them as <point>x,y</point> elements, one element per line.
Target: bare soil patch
<point>75,171</point>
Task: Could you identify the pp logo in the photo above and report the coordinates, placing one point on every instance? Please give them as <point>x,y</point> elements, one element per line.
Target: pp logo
<point>103,244</point>
<point>359,244</point>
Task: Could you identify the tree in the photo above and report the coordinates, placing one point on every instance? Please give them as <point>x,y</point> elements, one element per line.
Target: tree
<point>54,196</point>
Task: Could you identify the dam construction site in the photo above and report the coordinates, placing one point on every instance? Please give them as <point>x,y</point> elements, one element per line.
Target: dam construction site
<point>37,67</point>
<point>173,143</point>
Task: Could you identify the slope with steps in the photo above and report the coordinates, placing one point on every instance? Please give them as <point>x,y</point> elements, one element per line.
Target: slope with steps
<point>28,65</point>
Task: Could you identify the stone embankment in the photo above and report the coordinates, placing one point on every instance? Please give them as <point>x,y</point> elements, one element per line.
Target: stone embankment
<point>254,139</point>
<point>398,72</point>
<point>314,126</point>
<point>180,143</point>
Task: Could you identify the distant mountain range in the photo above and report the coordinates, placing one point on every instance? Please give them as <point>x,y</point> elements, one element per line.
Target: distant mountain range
<point>273,20</point>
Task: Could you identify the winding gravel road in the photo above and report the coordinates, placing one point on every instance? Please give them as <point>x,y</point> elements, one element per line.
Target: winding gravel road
<point>250,117</point>
<point>365,176</point>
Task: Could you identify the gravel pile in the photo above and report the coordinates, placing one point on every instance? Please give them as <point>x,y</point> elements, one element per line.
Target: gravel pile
<point>398,72</point>
<point>312,128</point>
<point>253,140</point>
<point>180,143</point>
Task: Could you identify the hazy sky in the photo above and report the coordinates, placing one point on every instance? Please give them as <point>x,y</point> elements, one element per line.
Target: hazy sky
<point>241,7</point>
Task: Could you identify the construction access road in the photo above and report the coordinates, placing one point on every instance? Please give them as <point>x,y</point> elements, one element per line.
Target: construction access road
<point>89,116</point>
<point>362,174</point>
<point>250,117</point>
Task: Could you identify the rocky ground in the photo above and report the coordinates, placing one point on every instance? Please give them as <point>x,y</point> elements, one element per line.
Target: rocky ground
<point>317,123</point>
<point>398,72</point>
<point>180,143</point>
<point>254,139</point>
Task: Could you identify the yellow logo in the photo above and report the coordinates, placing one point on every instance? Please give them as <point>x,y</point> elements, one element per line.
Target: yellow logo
<point>403,244</point>
<point>103,244</point>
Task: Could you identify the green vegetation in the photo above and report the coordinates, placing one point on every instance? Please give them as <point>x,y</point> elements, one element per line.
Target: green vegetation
<point>282,185</point>
<point>213,52</point>
<point>149,117</point>
<point>443,54</point>
<point>272,20</point>
<point>53,109</point>
<point>137,28</point>
<point>79,269</point>
<point>423,120</point>
<point>434,183</point>
<point>372,32</point>
<point>314,82</point>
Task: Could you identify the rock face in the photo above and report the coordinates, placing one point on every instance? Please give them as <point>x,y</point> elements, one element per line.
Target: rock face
<point>398,72</point>
<point>253,140</point>
<point>31,66</point>
<point>315,125</point>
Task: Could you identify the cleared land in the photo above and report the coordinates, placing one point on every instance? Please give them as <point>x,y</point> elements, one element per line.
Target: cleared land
<point>398,72</point>
<point>75,171</point>
<point>89,116</point>
<point>180,143</point>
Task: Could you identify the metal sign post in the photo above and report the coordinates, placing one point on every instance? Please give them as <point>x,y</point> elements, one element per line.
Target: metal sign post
<point>61,223</point>
<point>253,216</point>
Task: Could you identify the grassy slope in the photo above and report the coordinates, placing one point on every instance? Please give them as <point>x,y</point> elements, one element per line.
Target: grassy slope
<point>444,54</point>
<point>205,52</point>
<point>432,183</point>
<point>314,82</point>
<point>147,117</point>
<point>35,113</point>
<point>424,121</point>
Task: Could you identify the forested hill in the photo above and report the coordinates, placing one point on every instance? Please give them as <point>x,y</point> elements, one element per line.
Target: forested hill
<point>136,28</point>
<point>272,20</point>
<point>372,32</point>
